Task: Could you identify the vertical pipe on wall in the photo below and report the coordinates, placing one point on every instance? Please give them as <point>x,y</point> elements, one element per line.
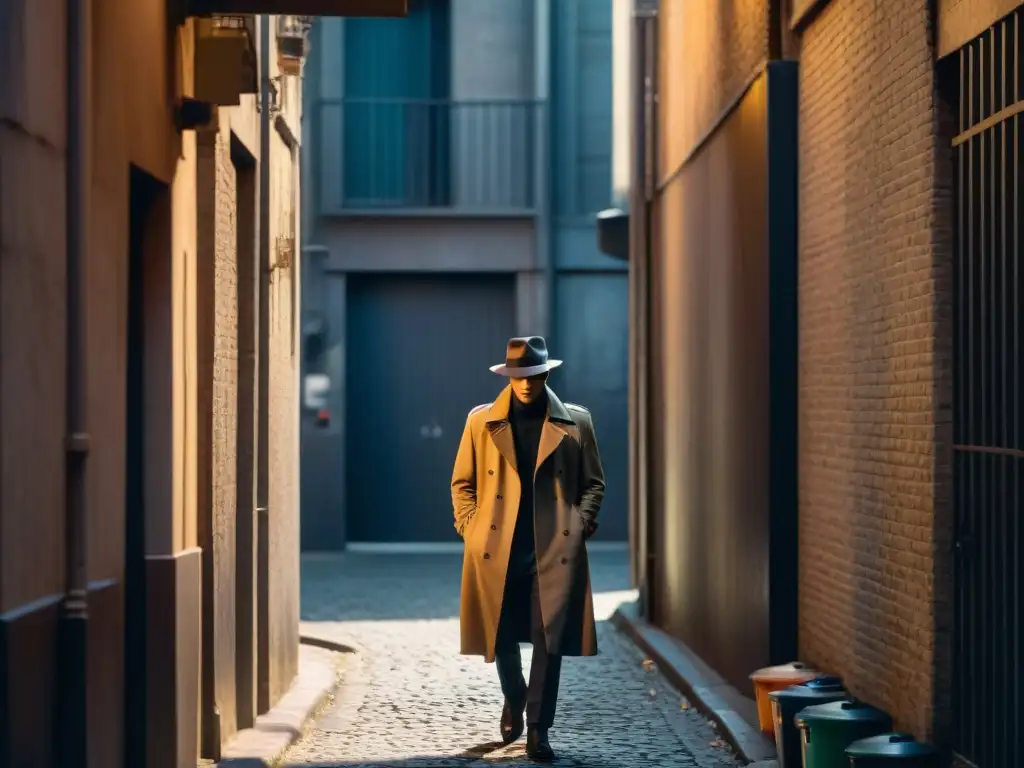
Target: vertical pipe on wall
<point>649,72</point>
<point>74,615</point>
<point>642,97</point>
<point>784,365</point>
<point>544,130</point>
<point>636,328</point>
<point>263,381</point>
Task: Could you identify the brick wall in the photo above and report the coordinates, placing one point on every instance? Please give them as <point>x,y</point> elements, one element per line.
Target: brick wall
<point>874,418</point>
<point>218,341</point>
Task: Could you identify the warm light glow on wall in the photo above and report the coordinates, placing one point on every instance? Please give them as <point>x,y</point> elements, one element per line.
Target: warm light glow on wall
<point>621,112</point>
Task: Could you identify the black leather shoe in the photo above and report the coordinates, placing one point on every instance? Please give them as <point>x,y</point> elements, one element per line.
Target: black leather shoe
<point>537,747</point>
<point>511,722</point>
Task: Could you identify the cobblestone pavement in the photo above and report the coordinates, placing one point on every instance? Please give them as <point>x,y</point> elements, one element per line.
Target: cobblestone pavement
<point>409,700</point>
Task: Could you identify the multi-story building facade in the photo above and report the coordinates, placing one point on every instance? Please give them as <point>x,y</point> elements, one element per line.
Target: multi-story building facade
<point>827,383</point>
<point>149,211</point>
<point>459,159</point>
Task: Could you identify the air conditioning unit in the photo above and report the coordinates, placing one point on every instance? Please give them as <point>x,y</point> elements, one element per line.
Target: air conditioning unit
<point>292,43</point>
<point>225,60</point>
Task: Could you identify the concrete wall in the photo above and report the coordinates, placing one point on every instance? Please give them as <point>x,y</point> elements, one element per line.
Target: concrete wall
<point>719,403</point>
<point>134,60</point>
<point>875,259</point>
<point>250,452</point>
<point>492,49</point>
<point>186,468</point>
<point>708,52</point>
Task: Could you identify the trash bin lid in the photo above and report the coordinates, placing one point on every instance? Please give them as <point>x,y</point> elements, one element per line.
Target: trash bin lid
<point>794,670</point>
<point>827,686</point>
<point>825,682</point>
<point>891,745</point>
<point>846,710</point>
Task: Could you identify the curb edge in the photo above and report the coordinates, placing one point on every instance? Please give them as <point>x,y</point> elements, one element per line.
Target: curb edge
<point>751,745</point>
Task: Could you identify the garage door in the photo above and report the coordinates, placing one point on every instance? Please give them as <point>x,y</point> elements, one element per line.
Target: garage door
<point>417,360</point>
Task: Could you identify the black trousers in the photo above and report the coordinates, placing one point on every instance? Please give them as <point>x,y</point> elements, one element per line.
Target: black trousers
<point>521,619</point>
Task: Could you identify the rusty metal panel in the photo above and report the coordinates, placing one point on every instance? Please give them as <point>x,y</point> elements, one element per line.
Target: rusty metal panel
<point>723,334</point>
<point>379,8</point>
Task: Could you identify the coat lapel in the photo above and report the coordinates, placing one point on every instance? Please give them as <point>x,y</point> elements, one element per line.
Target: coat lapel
<point>498,426</point>
<point>558,426</point>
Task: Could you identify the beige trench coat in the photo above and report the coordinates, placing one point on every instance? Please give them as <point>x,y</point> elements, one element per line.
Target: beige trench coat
<point>569,487</point>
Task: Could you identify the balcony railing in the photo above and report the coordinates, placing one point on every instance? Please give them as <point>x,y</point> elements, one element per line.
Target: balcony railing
<point>428,156</point>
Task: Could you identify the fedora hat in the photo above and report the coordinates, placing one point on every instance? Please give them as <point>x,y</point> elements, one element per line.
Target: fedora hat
<point>525,356</point>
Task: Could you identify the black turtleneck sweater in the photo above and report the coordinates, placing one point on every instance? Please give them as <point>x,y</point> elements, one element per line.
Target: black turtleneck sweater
<point>527,422</point>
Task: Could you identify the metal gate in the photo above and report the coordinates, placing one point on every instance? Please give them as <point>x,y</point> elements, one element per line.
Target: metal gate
<point>988,421</point>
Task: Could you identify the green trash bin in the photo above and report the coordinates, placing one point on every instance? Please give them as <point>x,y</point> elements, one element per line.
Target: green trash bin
<point>826,730</point>
<point>890,750</point>
<point>787,702</point>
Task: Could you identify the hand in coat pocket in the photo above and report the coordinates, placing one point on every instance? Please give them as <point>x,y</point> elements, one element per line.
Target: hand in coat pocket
<point>589,526</point>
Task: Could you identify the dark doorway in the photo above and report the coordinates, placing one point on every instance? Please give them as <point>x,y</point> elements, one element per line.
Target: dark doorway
<point>417,356</point>
<point>144,192</point>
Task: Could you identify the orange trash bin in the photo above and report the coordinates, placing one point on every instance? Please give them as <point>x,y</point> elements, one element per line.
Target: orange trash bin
<point>775,679</point>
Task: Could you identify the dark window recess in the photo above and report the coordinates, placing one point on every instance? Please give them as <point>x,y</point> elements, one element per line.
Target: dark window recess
<point>313,352</point>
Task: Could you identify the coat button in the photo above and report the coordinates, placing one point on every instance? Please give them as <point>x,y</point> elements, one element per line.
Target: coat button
<point>490,471</point>
<point>487,556</point>
<point>565,532</point>
<point>494,527</point>
<point>564,560</point>
<point>499,497</point>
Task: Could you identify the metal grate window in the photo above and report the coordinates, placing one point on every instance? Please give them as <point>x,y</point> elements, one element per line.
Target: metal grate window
<point>988,421</point>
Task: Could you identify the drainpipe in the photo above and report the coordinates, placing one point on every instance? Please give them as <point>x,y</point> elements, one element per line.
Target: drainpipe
<point>545,230</point>
<point>74,610</point>
<point>263,375</point>
<point>644,90</point>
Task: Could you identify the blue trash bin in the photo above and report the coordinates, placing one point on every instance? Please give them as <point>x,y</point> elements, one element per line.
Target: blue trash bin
<point>787,702</point>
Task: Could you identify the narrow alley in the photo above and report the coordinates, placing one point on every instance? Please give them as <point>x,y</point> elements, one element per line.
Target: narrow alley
<point>409,700</point>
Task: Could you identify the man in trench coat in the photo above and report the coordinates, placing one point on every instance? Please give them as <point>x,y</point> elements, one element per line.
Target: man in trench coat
<point>527,488</point>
